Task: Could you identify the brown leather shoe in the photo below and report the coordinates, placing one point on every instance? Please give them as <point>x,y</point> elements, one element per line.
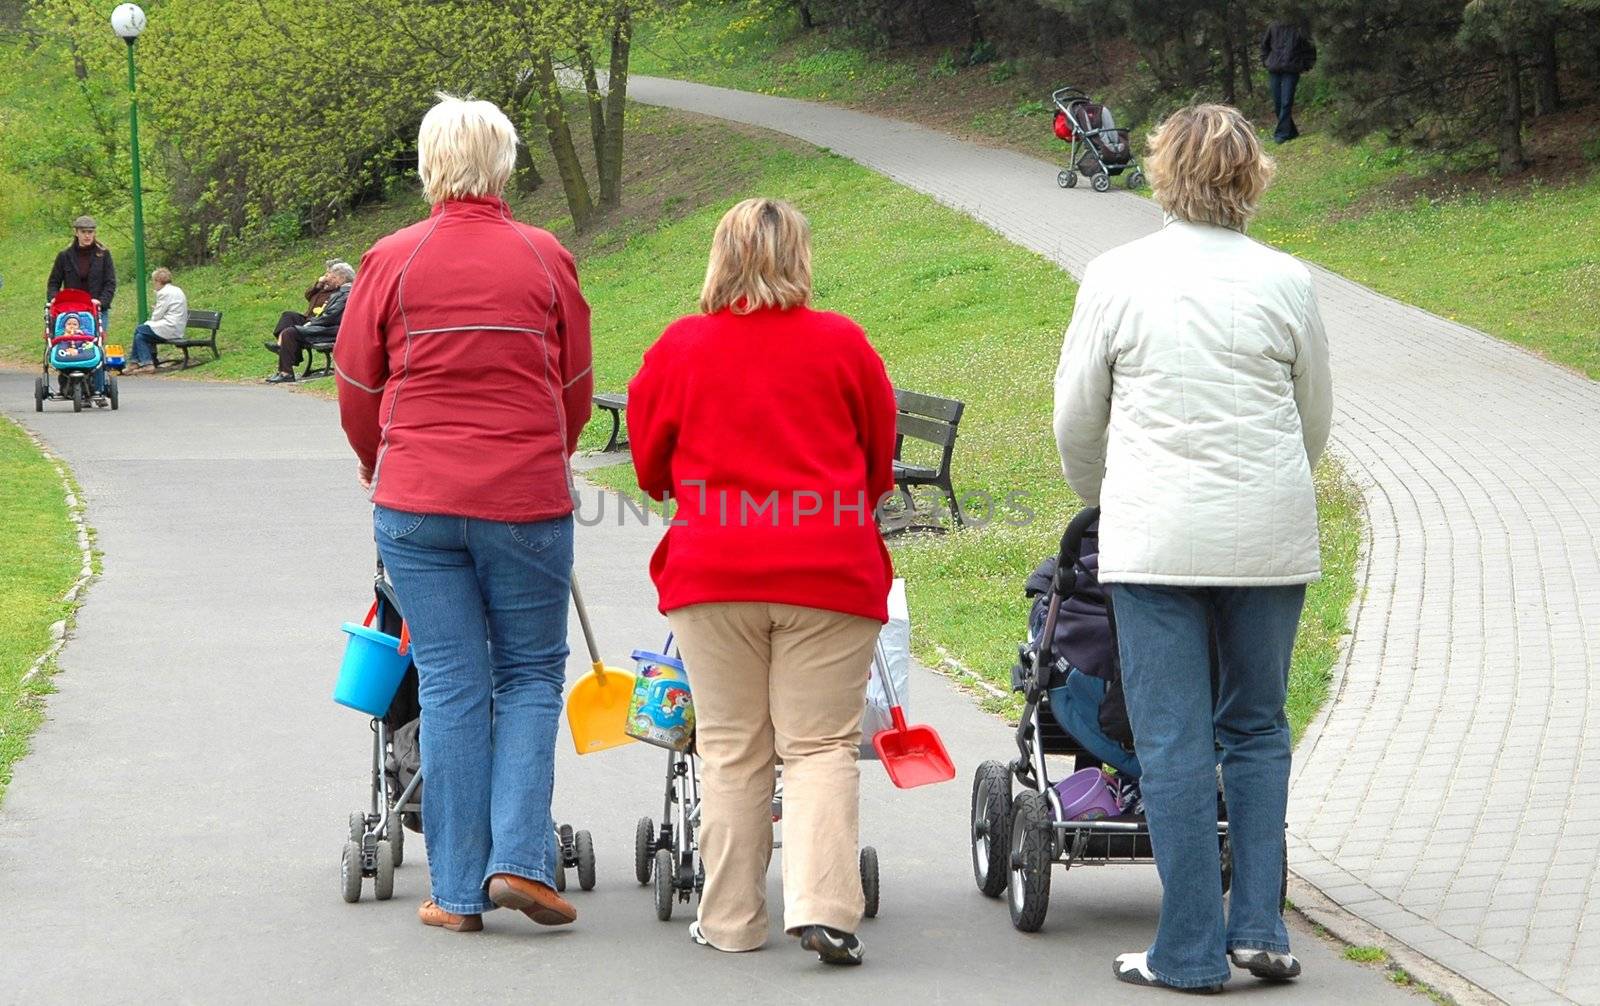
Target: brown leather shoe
<point>537,901</point>
<point>432,915</point>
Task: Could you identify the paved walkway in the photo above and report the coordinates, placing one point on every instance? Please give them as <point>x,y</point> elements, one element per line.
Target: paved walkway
<point>1451,793</point>
<point>174,836</point>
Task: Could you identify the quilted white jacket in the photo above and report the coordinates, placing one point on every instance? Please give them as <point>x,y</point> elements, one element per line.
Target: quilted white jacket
<point>1192,402</point>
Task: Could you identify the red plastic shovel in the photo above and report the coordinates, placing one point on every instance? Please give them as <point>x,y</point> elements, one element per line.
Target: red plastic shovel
<point>912,755</point>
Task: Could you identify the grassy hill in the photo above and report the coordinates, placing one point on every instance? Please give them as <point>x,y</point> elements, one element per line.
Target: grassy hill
<point>1515,257</point>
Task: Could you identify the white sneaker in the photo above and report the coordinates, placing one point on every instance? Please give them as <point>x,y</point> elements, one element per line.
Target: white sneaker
<point>1135,970</point>
<point>1268,965</point>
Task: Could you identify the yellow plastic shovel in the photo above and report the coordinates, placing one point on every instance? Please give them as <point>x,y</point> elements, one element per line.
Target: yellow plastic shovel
<point>597,706</point>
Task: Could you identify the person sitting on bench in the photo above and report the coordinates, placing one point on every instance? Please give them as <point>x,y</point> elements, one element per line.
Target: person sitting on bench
<point>316,297</point>
<point>324,324</point>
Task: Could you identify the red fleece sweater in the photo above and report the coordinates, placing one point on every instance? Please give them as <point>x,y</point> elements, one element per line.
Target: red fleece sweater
<point>464,366</point>
<point>774,433</point>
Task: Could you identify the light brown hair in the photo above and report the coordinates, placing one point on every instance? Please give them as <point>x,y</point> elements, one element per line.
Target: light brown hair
<point>162,275</point>
<point>760,257</point>
<point>1206,166</point>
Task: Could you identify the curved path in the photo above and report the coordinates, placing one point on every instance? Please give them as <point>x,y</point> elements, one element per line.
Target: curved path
<point>174,836</point>
<point>1450,794</point>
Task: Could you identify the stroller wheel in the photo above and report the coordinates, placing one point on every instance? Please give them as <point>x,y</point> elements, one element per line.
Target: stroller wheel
<point>1032,856</point>
<point>644,840</point>
<point>1101,182</point>
<point>40,388</point>
<point>991,827</point>
<point>869,880</point>
<point>1135,178</point>
<point>78,396</point>
<point>350,872</point>
<point>585,846</point>
<point>111,393</point>
<point>666,874</point>
<point>1067,179</point>
<point>561,877</point>
<point>396,837</point>
<point>383,877</point>
<point>358,826</point>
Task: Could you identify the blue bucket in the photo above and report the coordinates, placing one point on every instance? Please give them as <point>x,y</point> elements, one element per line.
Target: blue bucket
<point>372,670</point>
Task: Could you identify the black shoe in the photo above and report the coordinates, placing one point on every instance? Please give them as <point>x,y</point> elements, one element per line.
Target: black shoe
<point>1266,965</point>
<point>271,347</point>
<point>1133,969</point>
<point>279,379</point>
<point>832,946</point>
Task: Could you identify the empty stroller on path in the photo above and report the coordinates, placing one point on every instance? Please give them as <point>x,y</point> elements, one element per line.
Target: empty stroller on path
<point>375,845</point>
<point>1071,685</point>
<point>78,365</point>
<point>1097,148</point>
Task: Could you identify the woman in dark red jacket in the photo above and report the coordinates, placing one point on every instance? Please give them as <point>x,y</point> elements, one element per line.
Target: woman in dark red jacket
<point>463,365</point>
<point>772,426</point>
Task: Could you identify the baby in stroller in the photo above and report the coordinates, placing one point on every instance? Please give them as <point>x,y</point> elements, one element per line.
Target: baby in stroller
<point>76,359</point>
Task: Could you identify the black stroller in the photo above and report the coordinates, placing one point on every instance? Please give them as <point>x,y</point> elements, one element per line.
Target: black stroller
<point>375,846</point>
<point>1071,684</point>
<point>1099,150</point>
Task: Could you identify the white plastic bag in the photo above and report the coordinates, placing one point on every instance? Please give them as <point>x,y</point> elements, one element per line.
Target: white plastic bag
<point>896,647</point>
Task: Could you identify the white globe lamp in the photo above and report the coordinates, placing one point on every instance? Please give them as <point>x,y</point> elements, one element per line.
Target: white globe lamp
<point>128,21</point>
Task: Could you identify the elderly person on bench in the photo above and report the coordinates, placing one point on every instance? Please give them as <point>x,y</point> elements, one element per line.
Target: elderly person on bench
<point>168,319</point>
<point>340,275</point>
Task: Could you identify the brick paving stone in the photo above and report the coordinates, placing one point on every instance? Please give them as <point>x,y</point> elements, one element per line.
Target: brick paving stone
<point>1481,610</point>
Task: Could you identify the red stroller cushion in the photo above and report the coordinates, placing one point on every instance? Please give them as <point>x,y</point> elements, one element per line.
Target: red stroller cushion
<point>1063,126</point>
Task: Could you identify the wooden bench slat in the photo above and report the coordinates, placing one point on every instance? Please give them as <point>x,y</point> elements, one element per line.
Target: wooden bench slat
<point>945,410</point>
<point>928,430</point>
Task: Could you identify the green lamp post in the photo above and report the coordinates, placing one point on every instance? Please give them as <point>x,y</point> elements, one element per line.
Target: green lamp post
<point>128,22</point>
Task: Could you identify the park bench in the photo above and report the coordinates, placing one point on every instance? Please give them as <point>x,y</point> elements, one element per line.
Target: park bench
<point>615,403</point>
<point>932,420</point>
<point>312,345</point>
<point>205,321</point>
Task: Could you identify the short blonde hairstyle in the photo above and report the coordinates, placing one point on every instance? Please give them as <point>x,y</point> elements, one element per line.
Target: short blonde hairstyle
<point>162,275</point>
<point>465,148</point>
<point>760,257</point>
<point>1206,166</point>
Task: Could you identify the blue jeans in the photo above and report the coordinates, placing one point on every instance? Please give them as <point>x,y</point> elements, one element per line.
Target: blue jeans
<point>144,344</point>
<point>1283,86</point>
<point>487,605</point>
<point>1180,716</point>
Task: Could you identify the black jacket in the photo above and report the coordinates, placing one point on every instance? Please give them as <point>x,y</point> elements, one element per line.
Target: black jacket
<point>327,323</point>
<point>101,283</point>
<point>1285,48</point>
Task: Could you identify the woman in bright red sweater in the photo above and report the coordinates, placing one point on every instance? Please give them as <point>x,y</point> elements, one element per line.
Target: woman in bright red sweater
<point>772,426</point>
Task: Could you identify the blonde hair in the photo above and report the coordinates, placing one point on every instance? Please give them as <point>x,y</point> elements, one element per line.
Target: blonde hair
<point>465,148</point>
<point>1206,166</point>
<point>162,275</point>
<point>760,257</point>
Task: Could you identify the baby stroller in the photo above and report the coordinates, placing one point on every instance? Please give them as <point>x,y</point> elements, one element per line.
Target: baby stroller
<point>375,845</point>
<point>1071,685</point>
<point>76,360</point>
<point>671,856</point>
<point>1098,148</point>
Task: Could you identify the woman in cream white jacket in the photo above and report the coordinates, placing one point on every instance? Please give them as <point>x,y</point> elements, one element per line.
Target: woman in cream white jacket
<point>1192,403</point>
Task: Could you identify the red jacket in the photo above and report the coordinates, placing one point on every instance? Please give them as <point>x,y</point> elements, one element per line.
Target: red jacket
<point>774,434</point>
<point>464,366</point>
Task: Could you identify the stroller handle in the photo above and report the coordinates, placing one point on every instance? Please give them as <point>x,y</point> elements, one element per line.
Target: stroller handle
<point>1071,545</point>
<point>1067,92</point>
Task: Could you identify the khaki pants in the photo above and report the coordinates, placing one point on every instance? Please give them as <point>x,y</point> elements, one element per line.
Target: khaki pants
<point>777,681</point>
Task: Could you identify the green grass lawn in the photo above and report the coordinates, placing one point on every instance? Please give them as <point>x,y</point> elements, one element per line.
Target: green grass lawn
<point>955,311</point>
<point>1519,261</point>
<point>39,561</point>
